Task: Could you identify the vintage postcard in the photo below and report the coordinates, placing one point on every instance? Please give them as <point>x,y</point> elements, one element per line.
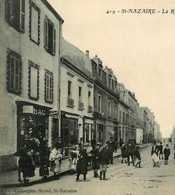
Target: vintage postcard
<point>87,97</point>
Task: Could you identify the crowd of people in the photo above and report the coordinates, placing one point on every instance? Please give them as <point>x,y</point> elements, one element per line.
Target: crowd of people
<point>35,153</point>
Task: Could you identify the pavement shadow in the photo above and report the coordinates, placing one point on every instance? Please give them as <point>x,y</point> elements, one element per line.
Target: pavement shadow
<point>39,181</point>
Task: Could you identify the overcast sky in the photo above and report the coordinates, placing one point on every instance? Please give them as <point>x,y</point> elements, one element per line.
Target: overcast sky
<point>140,48</point>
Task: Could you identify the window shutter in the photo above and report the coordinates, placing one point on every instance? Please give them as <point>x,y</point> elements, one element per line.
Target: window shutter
<point>7,10</point>
<point>15,13</point>
<point>45,33</point>
<point>54,42</point>
<point>22,15</point>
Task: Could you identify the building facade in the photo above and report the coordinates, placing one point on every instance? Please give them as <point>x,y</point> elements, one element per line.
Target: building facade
<point>106,100</point>
<point>30,38</point>
<point>77,93</point>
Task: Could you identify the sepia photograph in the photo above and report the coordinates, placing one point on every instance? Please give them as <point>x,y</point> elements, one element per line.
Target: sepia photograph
<point>87,97</point>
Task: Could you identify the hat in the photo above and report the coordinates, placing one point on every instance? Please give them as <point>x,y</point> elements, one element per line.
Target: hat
<point>167,145</point>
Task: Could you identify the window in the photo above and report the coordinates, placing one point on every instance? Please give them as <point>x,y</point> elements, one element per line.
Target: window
<point>48,86</point>
<point>120,116</point>
<point>115,111</point>
<point>15,14</point>
<point>34,23</point>
<point>69,89</point>
<point>123,118</point>
<point>99,72</point>
<point>99,103</point>
<point>49,37</point>
<point>13,72</point>
<point>89,97</point>
<point>109,108</point>
<point>80,93</point>
<point>33,81</point>
<point>109,81</point>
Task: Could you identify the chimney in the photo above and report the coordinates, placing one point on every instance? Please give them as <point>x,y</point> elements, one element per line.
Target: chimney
<point>87,53</point>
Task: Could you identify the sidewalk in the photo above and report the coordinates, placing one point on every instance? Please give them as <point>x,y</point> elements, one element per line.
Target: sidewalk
<point>10,179</point>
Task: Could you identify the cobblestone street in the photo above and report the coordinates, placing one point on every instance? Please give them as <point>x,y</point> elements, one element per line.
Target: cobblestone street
<point>122,179</point>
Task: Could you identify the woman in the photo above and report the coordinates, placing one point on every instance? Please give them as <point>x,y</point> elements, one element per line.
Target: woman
<point>55,158</point>
<point>82,164</point>
<point>28,166</point>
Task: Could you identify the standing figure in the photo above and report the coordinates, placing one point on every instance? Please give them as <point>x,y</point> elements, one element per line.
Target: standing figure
<point>55,158</point>
<point>129,152</point>
<point>103,160</point>
<point>166,154</point>
<point>154,154</point>
<point>124,153</point>
<point>137,156</point>
<point>28,166</point>
<point>121,142</point>
<point>95,160</point>
<point>160,151</point>
<point>44,163</point>
<point>73,159</point>
<point>111,146</point>
<point>82,164</point>
<point>21,154</point>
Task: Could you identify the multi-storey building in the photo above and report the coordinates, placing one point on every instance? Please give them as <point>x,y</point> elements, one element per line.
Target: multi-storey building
<point>142,122</point>
<point>122,113</point>
<point>76,95</point>
<point>106,99</point>
<point>30,37</point>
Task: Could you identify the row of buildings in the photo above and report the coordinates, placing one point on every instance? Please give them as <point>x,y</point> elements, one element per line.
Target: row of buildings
<point>49,87</point>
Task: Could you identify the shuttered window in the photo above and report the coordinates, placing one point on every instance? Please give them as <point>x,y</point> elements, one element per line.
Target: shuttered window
<point>48,86</point>
<point>13,72</point>
<point>49,36</point>
<point>15,14</point>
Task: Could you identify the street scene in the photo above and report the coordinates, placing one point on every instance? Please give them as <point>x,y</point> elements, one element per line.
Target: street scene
<point>86,100</point>
<point>121,179</point>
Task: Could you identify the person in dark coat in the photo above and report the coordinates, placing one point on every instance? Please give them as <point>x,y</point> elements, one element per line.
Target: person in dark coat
<point>160,151</point>
<point>21,154</point>
<point>166,154</point>
<point>111,146</point>
<point>124,153</point>
<point>103,160</point>
<point>121,142</point>
<point>44,164</point>
<point>137,157</point>
<point>129,152</point>
<point>155,152</point>
<point>82,164</point>
<point>28,166</point>
<point>95,160</point>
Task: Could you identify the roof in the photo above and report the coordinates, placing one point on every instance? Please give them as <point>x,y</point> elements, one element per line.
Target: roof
<point>76,57</point>
<point>47,4</point>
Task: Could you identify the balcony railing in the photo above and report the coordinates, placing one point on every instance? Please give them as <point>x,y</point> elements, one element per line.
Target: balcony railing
<point>89,109</point>
<point>80,106</point>
<point>70,102</point>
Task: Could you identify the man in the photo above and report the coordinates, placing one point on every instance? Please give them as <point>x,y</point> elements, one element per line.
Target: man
<point>111,146</point>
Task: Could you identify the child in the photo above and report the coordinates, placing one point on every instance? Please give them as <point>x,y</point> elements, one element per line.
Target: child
<point>137,157</point>
<point>103,160</point>
<point>55,158</point>
<point>166,154</point>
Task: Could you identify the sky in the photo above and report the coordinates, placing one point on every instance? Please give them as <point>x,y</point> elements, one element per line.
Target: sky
<point>140,48</point>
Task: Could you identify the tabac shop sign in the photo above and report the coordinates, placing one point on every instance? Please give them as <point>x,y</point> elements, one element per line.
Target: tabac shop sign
<point>29,109</point>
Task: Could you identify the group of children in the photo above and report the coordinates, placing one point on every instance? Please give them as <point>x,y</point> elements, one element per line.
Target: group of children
<point>157,153</point>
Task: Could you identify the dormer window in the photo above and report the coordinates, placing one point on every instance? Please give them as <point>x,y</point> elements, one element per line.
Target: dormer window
<point>99,72</point>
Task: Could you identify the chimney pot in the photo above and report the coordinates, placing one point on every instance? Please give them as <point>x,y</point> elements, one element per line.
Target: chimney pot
<point>87,53</point>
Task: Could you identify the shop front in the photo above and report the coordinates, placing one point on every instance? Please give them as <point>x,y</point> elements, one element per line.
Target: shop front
<point>32,121</point>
